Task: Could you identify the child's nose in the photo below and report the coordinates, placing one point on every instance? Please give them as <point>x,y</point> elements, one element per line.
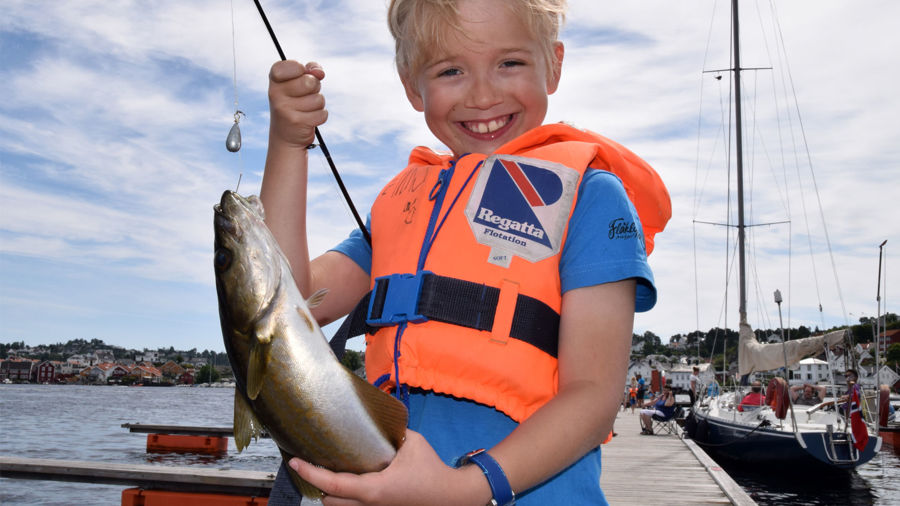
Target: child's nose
<point>484,93</point>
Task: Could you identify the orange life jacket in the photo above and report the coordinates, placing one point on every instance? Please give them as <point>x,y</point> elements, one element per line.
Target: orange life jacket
<point>489,367</point>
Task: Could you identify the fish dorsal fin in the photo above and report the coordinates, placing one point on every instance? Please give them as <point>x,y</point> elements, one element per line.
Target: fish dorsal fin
<point>302,485</point>
<point>246,425</point>
<point>316,298</point>
<point>388,413</point>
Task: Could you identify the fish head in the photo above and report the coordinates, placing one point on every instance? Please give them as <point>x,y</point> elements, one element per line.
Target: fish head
<point>247,261</point>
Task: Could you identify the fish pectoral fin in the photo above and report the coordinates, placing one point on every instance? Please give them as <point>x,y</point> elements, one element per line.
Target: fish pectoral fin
<point>256,369</point>
<point>246,425</point>
<point>388,413</point>
<point>302,485</point>
<point>316,298</point>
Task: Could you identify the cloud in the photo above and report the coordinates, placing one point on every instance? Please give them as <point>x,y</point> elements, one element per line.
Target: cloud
<point>115,115</point>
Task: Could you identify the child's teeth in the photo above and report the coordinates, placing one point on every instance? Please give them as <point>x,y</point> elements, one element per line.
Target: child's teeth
<point>491,126</point>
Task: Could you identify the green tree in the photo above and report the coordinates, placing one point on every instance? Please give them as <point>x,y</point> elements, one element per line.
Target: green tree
<point>352,360</point>
<point>892,356</point>
<point>652,343</point>
<point>207,374</point>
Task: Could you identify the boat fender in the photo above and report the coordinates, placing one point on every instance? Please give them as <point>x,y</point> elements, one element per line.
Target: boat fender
<point>777,397</point>
<point>884,407</point>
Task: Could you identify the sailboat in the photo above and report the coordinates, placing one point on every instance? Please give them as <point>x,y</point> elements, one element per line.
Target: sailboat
<point>777,434</point>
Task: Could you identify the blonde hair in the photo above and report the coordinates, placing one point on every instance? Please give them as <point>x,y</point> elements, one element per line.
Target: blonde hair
<point>420,27</point>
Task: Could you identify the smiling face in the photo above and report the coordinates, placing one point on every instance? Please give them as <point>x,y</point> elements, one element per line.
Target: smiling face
<point>488,83</point>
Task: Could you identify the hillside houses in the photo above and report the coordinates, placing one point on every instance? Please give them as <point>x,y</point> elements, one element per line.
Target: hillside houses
<point>47,371</point>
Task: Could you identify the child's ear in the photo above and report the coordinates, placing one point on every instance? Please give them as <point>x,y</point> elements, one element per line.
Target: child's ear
<point>556,68</point>
<point>412,93</point>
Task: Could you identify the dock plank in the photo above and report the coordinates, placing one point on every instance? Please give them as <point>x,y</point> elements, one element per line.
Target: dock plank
<point>182,430</point>
<point>662,469</point>
<point>180,478</point>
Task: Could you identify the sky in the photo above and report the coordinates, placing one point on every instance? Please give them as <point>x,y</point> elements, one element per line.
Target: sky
<point>114,117</point>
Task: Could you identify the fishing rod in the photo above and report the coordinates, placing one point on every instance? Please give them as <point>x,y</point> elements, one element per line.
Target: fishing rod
<point>319,139</point>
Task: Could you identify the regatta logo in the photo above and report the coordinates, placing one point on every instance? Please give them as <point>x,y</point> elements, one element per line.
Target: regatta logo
<point>621,229</point>
<point>519,206</point>
<point>488,216</point>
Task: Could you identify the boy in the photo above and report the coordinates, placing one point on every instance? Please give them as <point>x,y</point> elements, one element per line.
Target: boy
<point>558,282</point>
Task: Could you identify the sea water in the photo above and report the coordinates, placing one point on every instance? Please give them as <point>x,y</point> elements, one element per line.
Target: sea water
<point>74,422</point>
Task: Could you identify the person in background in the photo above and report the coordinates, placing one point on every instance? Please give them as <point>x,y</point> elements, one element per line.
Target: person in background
<point>641,390</point>
<point>632,394</point>
<point>807,395</point>
<point>694,383</point>
<point>754,399</point>
<point>663,406</point>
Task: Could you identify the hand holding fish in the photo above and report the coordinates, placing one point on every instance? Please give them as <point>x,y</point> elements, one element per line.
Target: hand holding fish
<point>295,102</point>
<point>416,476</point>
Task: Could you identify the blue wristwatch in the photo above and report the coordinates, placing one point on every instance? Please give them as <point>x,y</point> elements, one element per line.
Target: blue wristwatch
<point>500,489</point>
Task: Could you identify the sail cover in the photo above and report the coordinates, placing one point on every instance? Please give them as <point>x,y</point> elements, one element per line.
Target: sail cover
<point>755,356</point>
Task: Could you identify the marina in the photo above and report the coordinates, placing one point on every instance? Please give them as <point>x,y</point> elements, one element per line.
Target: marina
<point>61,423</point>
<point>688,472</point>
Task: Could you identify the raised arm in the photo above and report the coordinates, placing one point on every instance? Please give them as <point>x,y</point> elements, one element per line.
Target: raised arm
<point>297,107</point>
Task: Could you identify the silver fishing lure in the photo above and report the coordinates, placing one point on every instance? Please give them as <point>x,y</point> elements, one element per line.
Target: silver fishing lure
<point>233,141</point>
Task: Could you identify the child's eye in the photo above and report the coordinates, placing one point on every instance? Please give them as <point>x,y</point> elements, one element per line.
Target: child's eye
<point>512,63</point>
<point>449,72</point>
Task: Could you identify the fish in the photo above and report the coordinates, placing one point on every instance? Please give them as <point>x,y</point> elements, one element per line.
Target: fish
<point>288,381</point>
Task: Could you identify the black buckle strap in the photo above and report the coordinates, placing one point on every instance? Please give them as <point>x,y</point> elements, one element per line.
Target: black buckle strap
<point>427,296</point>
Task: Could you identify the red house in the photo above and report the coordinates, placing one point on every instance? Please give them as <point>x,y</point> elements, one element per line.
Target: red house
<point>889,337</point>
<point>47,372</point>
<point>186,378</point>
<point>16,370</point>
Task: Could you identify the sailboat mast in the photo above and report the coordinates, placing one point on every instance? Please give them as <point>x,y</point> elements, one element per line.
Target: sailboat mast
<point>739,149</point>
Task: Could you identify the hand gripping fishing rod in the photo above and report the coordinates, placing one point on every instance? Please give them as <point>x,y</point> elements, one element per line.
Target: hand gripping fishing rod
<point>337,177</point>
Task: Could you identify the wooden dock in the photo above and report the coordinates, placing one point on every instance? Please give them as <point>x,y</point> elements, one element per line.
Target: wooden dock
<point>637,470</point>
<point>662,469</point>
<point>181,478</point>
<point>185,430</point>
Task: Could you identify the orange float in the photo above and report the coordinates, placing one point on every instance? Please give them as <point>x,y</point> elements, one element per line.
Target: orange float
<point>167,443</point>
<point>141,497</point>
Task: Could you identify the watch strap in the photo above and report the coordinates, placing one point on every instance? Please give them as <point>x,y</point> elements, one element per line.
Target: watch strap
<point>499,483</point>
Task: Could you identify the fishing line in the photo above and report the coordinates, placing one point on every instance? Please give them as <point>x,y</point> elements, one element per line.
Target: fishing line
<point>233,140</point>
<point>319,139</point>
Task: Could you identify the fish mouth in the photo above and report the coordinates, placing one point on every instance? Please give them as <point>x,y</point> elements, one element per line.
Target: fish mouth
<point>224,224</point>
<point>229,208</point>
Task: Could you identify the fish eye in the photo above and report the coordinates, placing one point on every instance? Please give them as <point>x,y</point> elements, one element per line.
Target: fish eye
<point>222,259</point>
